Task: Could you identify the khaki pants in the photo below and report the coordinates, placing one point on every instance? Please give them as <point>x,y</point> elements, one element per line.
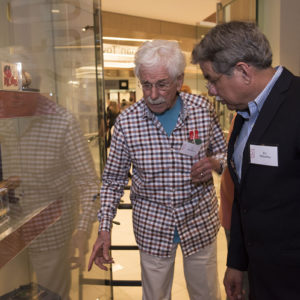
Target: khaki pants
<point>200,271</point>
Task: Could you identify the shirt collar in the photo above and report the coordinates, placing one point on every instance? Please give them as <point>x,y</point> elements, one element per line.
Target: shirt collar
<point>255,106</point>
<point>150,115</point>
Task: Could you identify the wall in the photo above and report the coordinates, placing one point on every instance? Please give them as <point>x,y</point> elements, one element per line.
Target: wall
<point>239,10</point>
<point>268,21</point>
<point>121,25</point>
<point>289,35</point>
<point>279,20</point>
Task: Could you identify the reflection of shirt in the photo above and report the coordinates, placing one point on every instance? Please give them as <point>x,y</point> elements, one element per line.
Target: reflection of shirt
<point>162,193</point>
<point>50,156</point>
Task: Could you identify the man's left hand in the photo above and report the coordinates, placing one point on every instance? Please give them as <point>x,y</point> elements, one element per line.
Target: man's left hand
<point>233,282</point>
<point>202,170</point>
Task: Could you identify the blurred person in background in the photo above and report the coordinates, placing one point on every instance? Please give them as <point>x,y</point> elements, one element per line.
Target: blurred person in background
<point>111,115</point>
<point>186,89</point>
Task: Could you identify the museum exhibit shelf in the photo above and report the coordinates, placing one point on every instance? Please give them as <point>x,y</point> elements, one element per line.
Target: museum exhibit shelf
<point>12,240</point>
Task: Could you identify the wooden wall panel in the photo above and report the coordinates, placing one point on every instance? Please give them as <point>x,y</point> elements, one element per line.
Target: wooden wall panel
<point>120,25</point>
<point>240,10</point>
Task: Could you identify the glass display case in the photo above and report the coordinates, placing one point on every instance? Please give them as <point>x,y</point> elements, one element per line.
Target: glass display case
<point>52,147</point>
<point>17,220</point>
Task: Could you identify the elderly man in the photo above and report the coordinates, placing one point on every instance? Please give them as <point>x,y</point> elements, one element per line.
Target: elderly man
<point>173,142</point>
<point>263,156</point>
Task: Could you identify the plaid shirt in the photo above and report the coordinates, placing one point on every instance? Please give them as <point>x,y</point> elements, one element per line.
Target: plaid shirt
<point>50,156</point>
<point>162,193</point>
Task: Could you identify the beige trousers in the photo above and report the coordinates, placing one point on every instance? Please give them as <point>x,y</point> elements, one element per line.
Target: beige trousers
<point>200,271</point>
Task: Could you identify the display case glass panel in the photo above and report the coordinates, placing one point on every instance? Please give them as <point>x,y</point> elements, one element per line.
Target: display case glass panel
<point>52,147</point>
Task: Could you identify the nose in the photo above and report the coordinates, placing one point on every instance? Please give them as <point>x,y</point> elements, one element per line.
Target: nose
<point>154,92</point>
<point>212,91</point>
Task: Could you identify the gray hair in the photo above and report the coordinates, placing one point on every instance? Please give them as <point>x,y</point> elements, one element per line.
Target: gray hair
<point>228,43</point>
<point>160,53</point>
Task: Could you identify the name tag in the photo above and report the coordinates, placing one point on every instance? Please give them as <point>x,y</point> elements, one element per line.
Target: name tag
<point>264,155</point>
<point>190,149</point>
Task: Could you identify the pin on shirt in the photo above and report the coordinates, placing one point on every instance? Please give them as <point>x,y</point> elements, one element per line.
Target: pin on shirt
<point>194,137</point>
<point>191,147</point>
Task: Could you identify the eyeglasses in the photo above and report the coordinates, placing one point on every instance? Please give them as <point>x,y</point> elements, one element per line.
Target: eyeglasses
<point>160,85</point>
<point>212,83</point>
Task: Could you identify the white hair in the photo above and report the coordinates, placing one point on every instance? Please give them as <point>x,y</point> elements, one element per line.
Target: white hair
<point>160,53</point>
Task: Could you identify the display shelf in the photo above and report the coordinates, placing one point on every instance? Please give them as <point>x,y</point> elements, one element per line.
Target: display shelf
<point>11,231</point>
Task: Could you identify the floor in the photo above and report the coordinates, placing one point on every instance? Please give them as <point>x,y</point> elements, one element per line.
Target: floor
<point>126,265</point>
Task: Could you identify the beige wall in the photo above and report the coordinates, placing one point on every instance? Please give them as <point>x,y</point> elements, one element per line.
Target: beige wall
<point>269,23</point>
<point>280,21</point>
<point>290,37</point>
<point>239,10</point>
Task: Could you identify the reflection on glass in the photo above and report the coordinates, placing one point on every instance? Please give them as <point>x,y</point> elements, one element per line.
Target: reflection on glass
<point>46,163</point>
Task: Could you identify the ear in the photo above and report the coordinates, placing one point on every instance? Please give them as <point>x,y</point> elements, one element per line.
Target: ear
<point>245,71</point>
<point>179,82</point>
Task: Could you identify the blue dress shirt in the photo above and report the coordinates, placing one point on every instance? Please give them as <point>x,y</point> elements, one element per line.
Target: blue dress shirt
<point>250,116</point>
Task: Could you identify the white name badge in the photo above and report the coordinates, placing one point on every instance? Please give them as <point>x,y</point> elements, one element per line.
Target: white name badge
<point>264,155</point>
<point>190,149</point>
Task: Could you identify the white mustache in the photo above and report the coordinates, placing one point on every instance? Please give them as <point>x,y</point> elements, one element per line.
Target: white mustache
<point>156,101</point>
<point>218,98</point>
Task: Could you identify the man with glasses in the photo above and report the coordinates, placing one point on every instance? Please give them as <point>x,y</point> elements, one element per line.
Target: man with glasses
<point>173,141</point>
<point>263,159</point>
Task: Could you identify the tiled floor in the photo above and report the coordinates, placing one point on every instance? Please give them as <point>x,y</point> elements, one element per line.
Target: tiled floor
<point>127,266</point>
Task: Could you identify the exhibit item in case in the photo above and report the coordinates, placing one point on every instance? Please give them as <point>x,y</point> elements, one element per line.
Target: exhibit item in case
<point>30,291</point>
<point>11,76</point>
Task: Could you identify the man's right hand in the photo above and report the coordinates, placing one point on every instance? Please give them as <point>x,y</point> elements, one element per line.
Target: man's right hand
<point>233,282</point>
<point>100,254</point>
